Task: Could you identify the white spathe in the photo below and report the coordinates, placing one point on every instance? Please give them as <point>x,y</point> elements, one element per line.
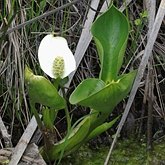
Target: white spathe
<point>52,47</point>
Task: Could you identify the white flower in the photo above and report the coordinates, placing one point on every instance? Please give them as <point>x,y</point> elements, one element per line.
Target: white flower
<point>55,57</point>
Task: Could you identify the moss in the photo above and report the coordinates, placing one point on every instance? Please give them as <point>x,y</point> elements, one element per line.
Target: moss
<point>128,152</point>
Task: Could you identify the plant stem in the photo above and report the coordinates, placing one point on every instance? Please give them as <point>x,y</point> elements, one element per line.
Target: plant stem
<point>66,111</point>
<point>38,119</point>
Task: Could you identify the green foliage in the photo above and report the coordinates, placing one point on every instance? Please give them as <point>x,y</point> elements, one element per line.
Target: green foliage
<point>95,94</point>
<point>101,94</point>
<point>42,91</point>
<point>110,33</point>
<point>49,117</point>
<point>101,128</point>
<point>143,16</point>
<point>77,135</point>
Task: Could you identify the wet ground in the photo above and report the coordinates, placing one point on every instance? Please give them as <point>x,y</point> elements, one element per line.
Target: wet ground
<point>129,152</point>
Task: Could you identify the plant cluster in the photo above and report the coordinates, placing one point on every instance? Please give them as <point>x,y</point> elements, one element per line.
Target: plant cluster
<point>110,32</point>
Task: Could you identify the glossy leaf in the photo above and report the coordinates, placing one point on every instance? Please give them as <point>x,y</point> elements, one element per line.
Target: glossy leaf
<point>49,116</point>
<point>77,135</point>
<point>86,89</point>
<point>102,98</point>
<point>110,33</point>
<point>42,91</point>
<point>101,128</point>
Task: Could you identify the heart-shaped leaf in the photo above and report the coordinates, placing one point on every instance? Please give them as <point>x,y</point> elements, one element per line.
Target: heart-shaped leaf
<point>102,98</point>
<point>110,33</point>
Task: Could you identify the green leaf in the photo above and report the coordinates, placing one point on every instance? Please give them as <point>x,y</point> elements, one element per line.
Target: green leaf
<point>144,14</point>
<point>138,22</point>
<point>77,135</point>
<point>101,128</point>
<point>110,33</point>
<point>86,89</point>
<point>49,116</point>
<point>102,98</point>
<point>42,91</point>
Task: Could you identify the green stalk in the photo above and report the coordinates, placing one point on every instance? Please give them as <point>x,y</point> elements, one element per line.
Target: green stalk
<point>66,111</point>
<point>77,136</point>
<point>38,119</point>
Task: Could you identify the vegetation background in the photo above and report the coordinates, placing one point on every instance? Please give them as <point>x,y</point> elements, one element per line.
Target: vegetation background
<point>18,47</point>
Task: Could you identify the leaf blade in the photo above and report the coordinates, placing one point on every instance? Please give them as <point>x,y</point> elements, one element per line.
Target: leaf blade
<point>110,43</point>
